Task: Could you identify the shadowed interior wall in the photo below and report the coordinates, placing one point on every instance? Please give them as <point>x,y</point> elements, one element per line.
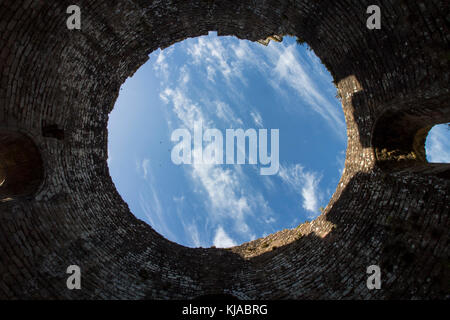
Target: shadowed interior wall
<point>389,209</point>
<point>21,170</point>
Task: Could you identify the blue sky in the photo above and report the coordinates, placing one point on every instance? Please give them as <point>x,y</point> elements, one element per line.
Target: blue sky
<point>227,83</point>
<point>437,145</point>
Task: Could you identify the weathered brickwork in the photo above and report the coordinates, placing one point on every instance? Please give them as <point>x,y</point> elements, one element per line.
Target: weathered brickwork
<point>390,208</point>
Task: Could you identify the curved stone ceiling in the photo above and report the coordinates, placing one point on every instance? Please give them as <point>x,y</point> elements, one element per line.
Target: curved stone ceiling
<point>391,208</point>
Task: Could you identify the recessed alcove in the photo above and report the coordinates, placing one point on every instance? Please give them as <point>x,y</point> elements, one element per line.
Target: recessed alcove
<point>397,218</point>
<point>21,167</point>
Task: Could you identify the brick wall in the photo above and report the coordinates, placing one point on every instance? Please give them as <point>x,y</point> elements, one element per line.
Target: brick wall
<point>57,86</point>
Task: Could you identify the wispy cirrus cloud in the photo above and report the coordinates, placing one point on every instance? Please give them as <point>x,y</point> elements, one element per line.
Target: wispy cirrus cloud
<point>438,144</point>
<point>257,119</point>
<point>212,54</point>
<point>150,203</point>
<point>145,167</point>
<point>192,231</point>
<point>340,161</point>
<point>110,158</point>
<point>228,196</point>
<point>305,183</point>
<point>217,204</point>
<point>224,112</point>
<point>222,239</point>
<point>283,66</point>
<point>295,72</point>
<point>186,111</point>
<point>279,62</point>
<point>161,65</point>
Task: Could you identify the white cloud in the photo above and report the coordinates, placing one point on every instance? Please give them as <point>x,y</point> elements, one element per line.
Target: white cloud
<point>256,116</point>
<point>224,112</point>
<point>222,240</point>
<point>268,182</point>
<point>145,167</point>
<point>178,199</point>
<point>211,52</point>
<point>292,71</point>
<point>184,75</point>
<point>161,65</point>
<point>222,186</point>
<point>246,56</point>
<point>216,59</point>
<point>279,63</point>
<point>340,161</point>
<point>224,191</point>
<point>438,144</point>
<point>110,158</point>
<point>228,194</point>
<point>192,231</point>
<point>241,50</point>
<point>309,191</point>
<point>186,111</point>
<point>282,66</point>
<point>150,205</point>
<point>270,220</point>
<point>305,184</point>
<point>211,72</point>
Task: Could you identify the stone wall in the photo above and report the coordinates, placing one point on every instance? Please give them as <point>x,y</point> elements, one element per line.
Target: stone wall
<point>390,208</point>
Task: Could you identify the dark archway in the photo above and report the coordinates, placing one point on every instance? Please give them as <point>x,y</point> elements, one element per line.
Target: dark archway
<point>21,167</point>
<point>398,220</point>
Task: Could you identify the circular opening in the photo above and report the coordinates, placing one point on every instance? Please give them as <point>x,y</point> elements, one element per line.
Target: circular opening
<point>437,144</point>
<point>224,83</point>
<point>21,168</point>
